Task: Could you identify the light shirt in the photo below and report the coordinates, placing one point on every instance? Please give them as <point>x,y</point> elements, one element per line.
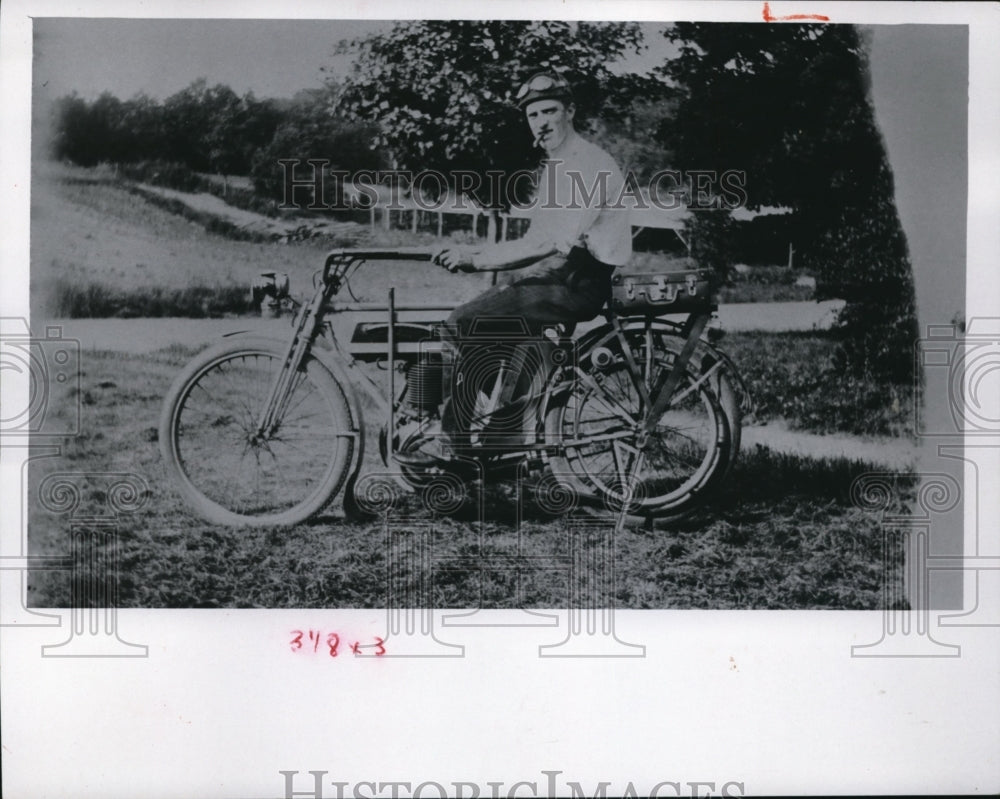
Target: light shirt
<point>575,204</point>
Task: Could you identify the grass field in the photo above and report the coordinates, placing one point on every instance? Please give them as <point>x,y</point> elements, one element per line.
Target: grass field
<point>784,533</point>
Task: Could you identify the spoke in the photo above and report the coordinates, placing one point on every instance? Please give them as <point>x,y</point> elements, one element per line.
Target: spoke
<point>609,404</point>
<point>695,384</point>
<point>241,395</point>
<point>227,492</point>
<point>624,393</point>
<point>701,441</point>
<point>597,419</point>
<point>283,436</point>
<point>675,456</point>
<point>598,438</point>
<point>211,399</point>
<point>280,473</point>
<point>649,355</point>
<point>303,398</point>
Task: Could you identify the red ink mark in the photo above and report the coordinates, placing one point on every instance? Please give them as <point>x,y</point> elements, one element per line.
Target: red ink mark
<point>792,17</point>
<point>332,642</point>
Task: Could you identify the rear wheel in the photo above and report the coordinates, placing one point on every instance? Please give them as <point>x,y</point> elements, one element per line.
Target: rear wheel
<point>230,475</point>
<point>596,428</point>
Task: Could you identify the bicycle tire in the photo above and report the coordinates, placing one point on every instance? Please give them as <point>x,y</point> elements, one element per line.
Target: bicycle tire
<point>728,386</point>
<point>695,435</point>
<point>721,383</point>
<point>205,437</point>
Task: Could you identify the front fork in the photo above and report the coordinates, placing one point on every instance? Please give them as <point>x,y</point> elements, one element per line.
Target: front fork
<point>307,326</point>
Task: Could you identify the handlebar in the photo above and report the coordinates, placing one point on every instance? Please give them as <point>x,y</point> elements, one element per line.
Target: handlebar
<point>350,256</point>
<point>397,254</point>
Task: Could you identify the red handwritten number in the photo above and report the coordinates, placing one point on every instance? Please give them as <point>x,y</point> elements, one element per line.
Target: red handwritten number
<point>332,642</point>
<point>792,17</point>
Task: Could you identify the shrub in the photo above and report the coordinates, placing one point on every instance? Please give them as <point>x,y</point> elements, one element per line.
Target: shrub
<point>74,300</point>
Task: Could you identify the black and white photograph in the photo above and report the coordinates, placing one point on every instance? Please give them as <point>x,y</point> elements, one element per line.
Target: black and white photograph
<point>356,358</point>
<point>494,276</point>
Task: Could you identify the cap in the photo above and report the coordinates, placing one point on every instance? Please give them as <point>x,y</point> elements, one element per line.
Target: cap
<point>544,86</point>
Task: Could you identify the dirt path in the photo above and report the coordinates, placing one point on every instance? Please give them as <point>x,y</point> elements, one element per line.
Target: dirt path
<point>250,221</point>
<point>138,336</point>
<point>146,335</point>
<point>894,453</point>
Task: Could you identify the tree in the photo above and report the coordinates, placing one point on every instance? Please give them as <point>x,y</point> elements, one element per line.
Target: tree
<point>141,130</point>
<point>789,105</point>
<point>628,140</point>
<point>442,92</point>
<point>88,133</point>
<point>311,129</point>
<point>72,137</point>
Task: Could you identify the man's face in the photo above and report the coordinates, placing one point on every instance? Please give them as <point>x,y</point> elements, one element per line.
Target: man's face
<point>550,122</point>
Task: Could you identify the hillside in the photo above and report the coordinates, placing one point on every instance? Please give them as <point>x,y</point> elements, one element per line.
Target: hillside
<point>89,232</point>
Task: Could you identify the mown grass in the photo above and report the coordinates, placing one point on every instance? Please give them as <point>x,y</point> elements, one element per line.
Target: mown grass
<point>782,534</point>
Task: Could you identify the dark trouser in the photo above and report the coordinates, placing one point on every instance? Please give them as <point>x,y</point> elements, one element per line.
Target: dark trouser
<point>508,319</point>
<point>573,291</point>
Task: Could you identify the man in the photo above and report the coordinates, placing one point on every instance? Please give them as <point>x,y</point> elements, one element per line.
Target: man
<point>578,234</point>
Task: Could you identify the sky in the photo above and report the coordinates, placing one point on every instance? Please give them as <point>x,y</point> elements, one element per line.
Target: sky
<point>272,58</point>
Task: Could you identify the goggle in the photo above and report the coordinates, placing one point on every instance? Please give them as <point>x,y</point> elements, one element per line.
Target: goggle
<point>541,83</point>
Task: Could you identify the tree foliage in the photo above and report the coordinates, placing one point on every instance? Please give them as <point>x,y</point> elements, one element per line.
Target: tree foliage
<point>443,92</point>
<point>789,105</point>
<point>311,128</point>
<point>212,129</point>
<point>106,129</point>
<point>207,129</point>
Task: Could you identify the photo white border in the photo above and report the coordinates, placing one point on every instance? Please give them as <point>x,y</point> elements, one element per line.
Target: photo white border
<point>770,699</point>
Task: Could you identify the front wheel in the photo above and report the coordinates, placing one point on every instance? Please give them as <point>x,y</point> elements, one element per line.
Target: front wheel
<point>225,471</point>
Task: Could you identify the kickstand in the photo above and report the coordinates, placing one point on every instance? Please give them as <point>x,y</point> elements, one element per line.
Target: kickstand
<point>628,489</point>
